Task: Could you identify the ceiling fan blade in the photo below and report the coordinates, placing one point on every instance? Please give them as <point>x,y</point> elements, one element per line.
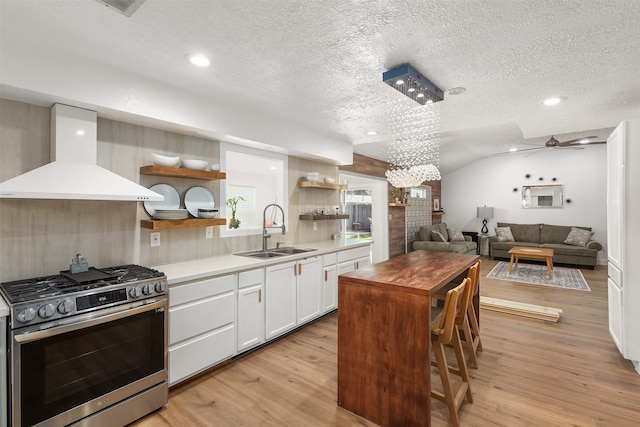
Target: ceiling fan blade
<point>577,144</point>
<point>571,141</point>
<point>518,151</point>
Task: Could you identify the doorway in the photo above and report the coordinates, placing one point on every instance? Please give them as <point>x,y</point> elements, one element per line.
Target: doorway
<point>366,204</point>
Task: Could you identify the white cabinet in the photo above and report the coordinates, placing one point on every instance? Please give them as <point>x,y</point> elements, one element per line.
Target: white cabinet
<point>623,229</point>
<point>353,259</point>
<point>329,282</point>
<point>280,299</point>
<point>201,326</point>
<point>250,309</point>
<point>293,295</point>
<point>308,289</point>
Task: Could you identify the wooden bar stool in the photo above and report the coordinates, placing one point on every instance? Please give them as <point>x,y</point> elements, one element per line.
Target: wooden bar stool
<point>445,333</point>
<point>469,323</point>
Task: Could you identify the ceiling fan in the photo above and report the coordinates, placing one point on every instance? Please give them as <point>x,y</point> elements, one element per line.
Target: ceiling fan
<point>571,144</point>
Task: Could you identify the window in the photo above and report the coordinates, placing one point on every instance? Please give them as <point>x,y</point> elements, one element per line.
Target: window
<point>260,177</point>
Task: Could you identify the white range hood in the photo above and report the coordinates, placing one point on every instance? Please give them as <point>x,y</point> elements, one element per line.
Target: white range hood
<point>73,172</point>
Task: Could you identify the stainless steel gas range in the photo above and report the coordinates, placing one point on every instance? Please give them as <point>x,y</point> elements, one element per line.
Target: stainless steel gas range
<point>87,347</point>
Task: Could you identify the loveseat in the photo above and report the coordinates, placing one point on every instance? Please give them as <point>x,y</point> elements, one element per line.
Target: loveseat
<point>440,238</point>
<point>571,245</point>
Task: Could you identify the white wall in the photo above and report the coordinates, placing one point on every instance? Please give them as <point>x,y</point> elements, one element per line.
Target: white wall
<point>491,182</point>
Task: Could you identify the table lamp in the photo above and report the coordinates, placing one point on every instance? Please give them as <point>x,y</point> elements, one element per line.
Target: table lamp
<point>484,213</point>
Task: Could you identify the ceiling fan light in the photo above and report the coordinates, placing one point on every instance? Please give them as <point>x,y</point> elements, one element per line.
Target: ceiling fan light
<point>551,101</point>
<point>584,141</point>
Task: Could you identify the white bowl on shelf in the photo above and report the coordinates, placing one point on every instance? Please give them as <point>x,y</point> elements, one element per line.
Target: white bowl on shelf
<point>215,167</point>
<point>328,180</point>
<point>161,160</point>
<point>313,176</point>
<point>207,213</point>
<point>195,164</point>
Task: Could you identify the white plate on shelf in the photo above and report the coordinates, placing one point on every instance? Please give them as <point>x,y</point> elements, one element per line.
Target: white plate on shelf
<point>171,199</point>
<point>196,198</point>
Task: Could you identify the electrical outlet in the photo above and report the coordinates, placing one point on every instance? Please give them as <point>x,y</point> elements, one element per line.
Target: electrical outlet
<point>315,226</point>
<point>155,239</point>
<point>208,232</point>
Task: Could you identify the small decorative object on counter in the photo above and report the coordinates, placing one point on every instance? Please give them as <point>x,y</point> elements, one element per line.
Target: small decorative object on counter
<point>79,264</point>
<point>233,205</point>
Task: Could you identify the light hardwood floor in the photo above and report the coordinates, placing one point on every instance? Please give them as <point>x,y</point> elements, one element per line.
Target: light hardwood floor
<point>531,373</point>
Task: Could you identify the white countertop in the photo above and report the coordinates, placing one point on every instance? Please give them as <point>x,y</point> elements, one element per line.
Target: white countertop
<point>200,268</point>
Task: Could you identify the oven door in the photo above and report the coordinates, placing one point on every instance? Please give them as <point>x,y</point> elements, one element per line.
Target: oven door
<point>64,372</point>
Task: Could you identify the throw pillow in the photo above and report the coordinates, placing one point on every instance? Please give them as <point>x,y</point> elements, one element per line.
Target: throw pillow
<point>504,234</point>
<point>578,237</point>
<point>455,235</point>
<point>437,236</point>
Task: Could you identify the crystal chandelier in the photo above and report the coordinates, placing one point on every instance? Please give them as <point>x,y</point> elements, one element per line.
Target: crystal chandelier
<point>414,152</point>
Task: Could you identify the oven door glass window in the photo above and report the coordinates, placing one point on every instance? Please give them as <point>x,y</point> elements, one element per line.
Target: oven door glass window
<point>63,371</point>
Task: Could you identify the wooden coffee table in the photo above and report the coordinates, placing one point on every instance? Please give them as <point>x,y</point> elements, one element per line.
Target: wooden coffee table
<point>527,252</point>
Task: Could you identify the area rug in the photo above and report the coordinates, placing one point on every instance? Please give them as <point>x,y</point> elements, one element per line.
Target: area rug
<point>535,274</point>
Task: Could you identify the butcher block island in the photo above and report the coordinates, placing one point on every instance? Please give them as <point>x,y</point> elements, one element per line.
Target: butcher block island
<point>384,335</point>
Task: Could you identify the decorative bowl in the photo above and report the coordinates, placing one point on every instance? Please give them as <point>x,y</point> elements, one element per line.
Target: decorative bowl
<point>195,164</point>
<point>328,180</point>
<point>165,160</point>
<point>312,176</point>
<point>215,167</point>
<point>207,213</point>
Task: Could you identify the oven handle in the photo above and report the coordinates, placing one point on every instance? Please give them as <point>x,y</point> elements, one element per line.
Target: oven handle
<point>46,333</point>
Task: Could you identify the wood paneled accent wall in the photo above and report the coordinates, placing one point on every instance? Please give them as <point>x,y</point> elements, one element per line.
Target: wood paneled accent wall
<point>372,167</point>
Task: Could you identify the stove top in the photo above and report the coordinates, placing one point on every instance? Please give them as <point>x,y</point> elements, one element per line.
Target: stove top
<point>66,282</point>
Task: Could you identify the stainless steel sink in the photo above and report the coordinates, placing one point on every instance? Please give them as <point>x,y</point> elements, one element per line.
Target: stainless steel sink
<point>260,254</point>
<point>271,253</point>
<point>291,251</point>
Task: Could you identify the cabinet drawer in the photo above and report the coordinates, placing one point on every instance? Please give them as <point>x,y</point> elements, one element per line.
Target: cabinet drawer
<point>189,320</point>
<point>329,259</point>
<point>194,291</point>
<point>351,254</point>
<point>193,356</point>
<point>250,278</point>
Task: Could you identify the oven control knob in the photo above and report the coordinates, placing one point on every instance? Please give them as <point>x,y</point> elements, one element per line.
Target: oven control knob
<point>27,315</point>
<point>135,292</point>
<point>161,287</point>
<point>47,310</point>
<point>147,289</point>
<point>65,306</point>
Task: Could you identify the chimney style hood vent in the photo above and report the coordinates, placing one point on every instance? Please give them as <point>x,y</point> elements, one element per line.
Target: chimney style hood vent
<point>73,173</point>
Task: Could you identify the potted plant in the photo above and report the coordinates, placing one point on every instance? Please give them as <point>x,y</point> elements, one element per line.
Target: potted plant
<point>233,205</point>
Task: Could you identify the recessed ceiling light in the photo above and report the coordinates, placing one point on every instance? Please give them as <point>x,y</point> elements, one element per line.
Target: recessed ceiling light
<point>552,101</point>
<point>199,60</point>
<point>371,132</point>
<point>513,149</point>
<point>456,91</point>
<point>584,141</point>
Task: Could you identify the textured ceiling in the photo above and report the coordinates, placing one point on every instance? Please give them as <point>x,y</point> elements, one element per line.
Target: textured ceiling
<point>320,63</point>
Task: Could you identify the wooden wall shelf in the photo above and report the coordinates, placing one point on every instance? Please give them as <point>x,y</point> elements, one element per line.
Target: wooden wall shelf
<point>322,185</point>
<point>436,213</point>
<point>399,204</point>
<point>322,217</point>
<point>167,224</point>
<point>181,172</point>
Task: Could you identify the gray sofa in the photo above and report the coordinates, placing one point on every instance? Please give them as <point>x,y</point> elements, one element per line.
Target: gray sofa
<point>425,241</point>
<point>547,236</point>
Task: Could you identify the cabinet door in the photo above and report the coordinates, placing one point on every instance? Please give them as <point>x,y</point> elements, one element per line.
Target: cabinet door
<point>615,315</point>
<point>308,290</point>
<point>330,287</point>
<point>250,317</point>
<point>280,299</point>
<point>363,262</point>
<point>615,195</point>
<point>346,267</point>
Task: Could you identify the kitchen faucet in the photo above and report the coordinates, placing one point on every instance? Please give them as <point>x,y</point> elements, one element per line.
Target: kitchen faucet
<point>265,234</point>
